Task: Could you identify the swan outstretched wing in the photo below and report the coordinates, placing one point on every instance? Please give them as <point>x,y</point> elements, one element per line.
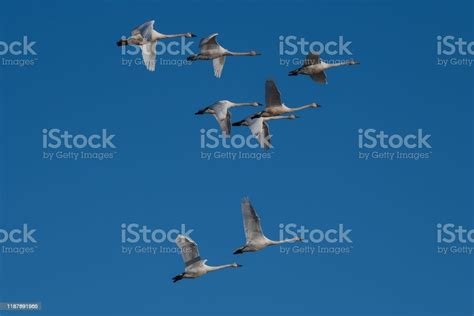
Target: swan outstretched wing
<point>252,227</point>
<point>319,77</point>
<point>209,42</point>
<point>218,64</point>
<point>225,123</point>
<point>256,126</point>
<point>149,55</point>
<point>145,30</point>
<point>272,94</point>
<point>266,135</point>
<point>189,250</point>
<point>312,59</point>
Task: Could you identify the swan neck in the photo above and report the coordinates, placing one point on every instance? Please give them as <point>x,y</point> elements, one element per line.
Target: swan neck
<point>337,64</point>
<point>302,107</point>
<point>215,268</point>
<point>239,54</point>
<point>275,118</point>
<point>283,241</point>
<point>175,35</point>
<point>243,104</point>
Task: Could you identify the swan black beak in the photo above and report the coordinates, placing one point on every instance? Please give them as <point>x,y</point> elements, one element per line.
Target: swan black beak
<point>259,103</point>
<point>193,35</point>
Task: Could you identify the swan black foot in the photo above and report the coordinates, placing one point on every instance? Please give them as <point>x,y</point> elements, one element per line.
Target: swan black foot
<point>178,277</point>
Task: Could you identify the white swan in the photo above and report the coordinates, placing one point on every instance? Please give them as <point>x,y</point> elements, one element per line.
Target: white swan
<point>210,49</point>
<point>194,265</point>
<point>259,127</point>
<point>314,67</point>
<point>220,110</point>
<point>146,37</point>
<point>273,104</point>
<point>256,240</point>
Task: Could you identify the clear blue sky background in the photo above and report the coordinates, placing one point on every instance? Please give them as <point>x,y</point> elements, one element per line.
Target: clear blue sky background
<point>314,178</point>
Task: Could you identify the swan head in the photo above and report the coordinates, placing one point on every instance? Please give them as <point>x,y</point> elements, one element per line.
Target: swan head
<point>256,104</point>
<point>292,117</point>
<point>254,53</point>
<point>315,105</point>
<point>353,62</point>
<point>192,57</point>
<point>190,35</point>
<point>236,265</point>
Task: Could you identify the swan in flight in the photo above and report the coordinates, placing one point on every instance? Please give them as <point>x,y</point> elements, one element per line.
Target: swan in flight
<point>221,112</point>
<point>146,37</point>
<point>256,240</point>
<point>260,129</point>
<point>210,49</point>
<point>194,265</point>
<point>314,67</point>
<point>273,104</point>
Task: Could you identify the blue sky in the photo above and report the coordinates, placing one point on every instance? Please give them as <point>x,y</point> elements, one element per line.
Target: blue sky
<point>314,177</point>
